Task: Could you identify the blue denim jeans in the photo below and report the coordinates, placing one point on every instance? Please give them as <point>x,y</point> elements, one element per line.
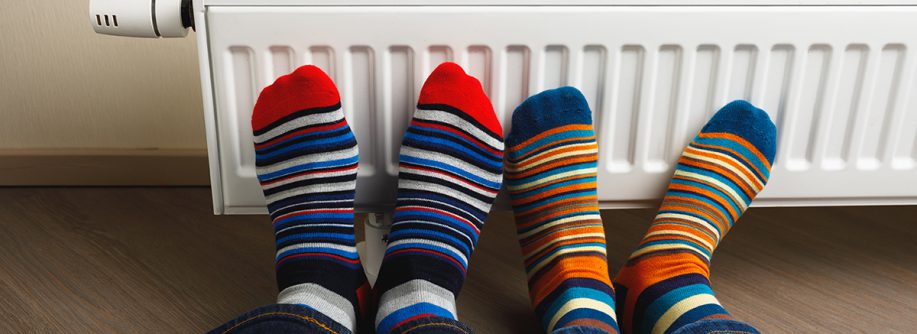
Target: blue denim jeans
<point>286,318</point>
<point>717,326</point>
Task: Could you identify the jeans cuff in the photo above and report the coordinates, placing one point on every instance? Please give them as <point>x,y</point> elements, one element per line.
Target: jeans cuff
<point>717,326</point>
<point>281,318</point>
<point>432,325</point>
<point>579,330</point>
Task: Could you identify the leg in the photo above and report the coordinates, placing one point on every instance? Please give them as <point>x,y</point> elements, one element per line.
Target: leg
<point>665,287</point>
<point>306,159</point>
<point>449,174</point>
<point>551,177</point>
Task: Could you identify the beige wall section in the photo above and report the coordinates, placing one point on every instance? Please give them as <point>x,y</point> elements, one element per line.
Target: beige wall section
<point>64,87</point>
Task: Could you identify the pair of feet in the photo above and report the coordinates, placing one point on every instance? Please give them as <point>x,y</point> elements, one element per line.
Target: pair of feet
<point>450,171</point>
<point>664,286</point>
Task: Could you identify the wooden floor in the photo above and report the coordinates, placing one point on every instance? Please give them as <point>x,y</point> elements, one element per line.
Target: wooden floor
<point>155,260</point>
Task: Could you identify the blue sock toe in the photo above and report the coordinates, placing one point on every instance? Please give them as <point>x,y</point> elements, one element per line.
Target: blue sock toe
<point>747,121</point>
<point>548,110</point>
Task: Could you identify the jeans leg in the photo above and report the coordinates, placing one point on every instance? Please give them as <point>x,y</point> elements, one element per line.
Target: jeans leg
<point>281,318</point>
<point>432,325</point>
<point>717,326</point>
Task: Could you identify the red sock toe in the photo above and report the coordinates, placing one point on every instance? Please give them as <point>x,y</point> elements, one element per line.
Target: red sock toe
<point>306,88</point>
<point>449,85</point>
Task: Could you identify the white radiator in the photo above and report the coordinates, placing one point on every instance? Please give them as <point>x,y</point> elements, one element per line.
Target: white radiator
<point>838,79</point>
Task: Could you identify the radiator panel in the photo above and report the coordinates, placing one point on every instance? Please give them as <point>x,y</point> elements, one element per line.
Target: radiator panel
<point>837,81</point>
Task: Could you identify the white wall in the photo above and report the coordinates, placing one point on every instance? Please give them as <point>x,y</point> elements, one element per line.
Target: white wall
<point>62,86</point>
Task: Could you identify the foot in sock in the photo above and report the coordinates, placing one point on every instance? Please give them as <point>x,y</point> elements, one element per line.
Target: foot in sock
<point>449,174</point>
<point>306,160</point>
<point>665,284</point>
<point>551,176</point>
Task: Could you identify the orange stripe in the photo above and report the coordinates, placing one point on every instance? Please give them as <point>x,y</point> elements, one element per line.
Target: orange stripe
<point>725,193</point>
<point>551,216</point>
<point>590,267</point>
<point>743,142</point>
<point>592,228</point>
<point>661,267</point>
<point>532,259</point>
<point>571,127</point>
<point>712,196</point>
<point>728,174</point>
<point>663,227</point>
<point>580,202</point>
<point>719,221</point>
<point>553,182</point>
<point>732,163</point>
<point>527,163</point>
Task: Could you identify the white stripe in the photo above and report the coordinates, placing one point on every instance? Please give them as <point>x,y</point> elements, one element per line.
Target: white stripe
<point>580,303</point>
<point>461,182</point>
<point>719,185</point>
<point>418,207</point>
<point>309,177</point>
<point>676,311</point>
<point>555,241</point>
<point>458,122</point>
<point>327,302</point>
<point>298,122</point>
<point>546,179</point>
<point>559,222</point>
<point>681,233</point>
<point>313,188</point>
<point>463,234</point>
<point>689,152</point>
<point>309,158</point>
<point>414,292</point>
<point>446,191</point>
<point>573,249</point>
<point>430,243</point>
<point>313,202</point>
<point>670,246</point>
<point>311,225</point>
<point>549,155</point>
<point>451,161</point>
<point>703,223</point>
<point>339,247</point>
<point>454,208</point>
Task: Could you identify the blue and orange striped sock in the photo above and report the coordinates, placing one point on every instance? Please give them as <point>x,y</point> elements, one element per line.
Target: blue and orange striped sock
<point>449,174</point>
<point>306,160</point>
<point>551,175</point>
<point>665,284</point>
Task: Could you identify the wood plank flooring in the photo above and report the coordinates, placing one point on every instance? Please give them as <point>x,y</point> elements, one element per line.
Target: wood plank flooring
<point>155,260</point>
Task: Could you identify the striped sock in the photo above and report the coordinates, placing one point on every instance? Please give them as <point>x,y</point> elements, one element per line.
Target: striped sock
<point>450,172</point>
<point>306,159</point>
<point>665,283</point>
<point>551,176</point>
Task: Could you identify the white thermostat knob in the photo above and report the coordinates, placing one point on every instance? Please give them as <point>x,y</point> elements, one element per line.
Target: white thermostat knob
<point>141,18</point>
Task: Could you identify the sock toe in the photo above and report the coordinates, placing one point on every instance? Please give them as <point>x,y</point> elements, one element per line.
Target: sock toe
<point>306,88</point>
<point>547,110</point>
<point>743,119</point>
<point>449,85</point>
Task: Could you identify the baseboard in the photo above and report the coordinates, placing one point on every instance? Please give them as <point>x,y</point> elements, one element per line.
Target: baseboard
<point>109,167</point>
